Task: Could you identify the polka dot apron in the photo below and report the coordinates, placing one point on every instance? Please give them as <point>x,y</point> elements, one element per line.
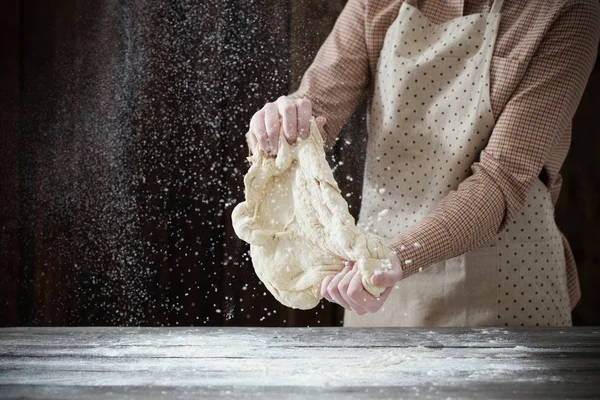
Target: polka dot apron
<point>430,117</point>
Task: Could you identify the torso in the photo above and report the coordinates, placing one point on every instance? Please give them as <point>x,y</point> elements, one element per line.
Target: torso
<point>430,115</point>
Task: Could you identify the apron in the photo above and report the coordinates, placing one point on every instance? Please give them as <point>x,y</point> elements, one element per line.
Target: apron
<point>429,118</point>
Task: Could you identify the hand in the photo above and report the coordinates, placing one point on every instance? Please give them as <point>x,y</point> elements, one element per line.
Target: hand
<point>389,278</point>
<point>346,288</point>
<point>265,125</point>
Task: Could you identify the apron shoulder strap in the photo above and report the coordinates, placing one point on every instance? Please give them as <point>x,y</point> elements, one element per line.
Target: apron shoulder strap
<point>496,7</point>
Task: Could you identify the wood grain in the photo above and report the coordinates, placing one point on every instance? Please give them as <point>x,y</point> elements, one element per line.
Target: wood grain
<point>299,362</point>
<point>9,161</point>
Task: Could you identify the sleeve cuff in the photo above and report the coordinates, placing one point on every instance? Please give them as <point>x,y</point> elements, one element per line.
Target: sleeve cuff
<point>424,244</point>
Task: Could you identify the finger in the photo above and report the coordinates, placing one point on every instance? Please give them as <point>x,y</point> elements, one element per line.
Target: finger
<point>332,287</point>
<point>324,284</point>
<point>355,292</point>
<point>343,288</point>
<point>321,121</point>
<point>384,295</point>
<point>362,297</point>
<point>257,128</point>
<point>334,291</point>
<point>373,304</point>
<point>304,113</point>
<point>272,125</point>
<point>377,302</point>
<point>386,278</point>
<point>251,139</point>
<point>287,109</point>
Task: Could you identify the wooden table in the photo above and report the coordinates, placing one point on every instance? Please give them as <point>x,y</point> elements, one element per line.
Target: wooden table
<point>299,363</point>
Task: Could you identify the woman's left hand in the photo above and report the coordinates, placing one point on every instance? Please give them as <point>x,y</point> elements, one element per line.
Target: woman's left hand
<point>347,290</point>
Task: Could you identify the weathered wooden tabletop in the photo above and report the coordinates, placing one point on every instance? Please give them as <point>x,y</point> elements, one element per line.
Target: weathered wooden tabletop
<point>274,363</point>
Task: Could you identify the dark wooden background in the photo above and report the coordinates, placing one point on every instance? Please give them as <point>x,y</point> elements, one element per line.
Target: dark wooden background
<point>122,155</point>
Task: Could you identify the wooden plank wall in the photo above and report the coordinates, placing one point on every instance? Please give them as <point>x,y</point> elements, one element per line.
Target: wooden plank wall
<point>129,158</point>
<point>10,20</point>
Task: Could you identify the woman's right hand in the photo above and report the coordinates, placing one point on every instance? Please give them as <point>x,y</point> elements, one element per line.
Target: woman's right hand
<point>265,125</point>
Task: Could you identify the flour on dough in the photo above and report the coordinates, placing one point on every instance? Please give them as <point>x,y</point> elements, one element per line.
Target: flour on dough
<point>298,225</point>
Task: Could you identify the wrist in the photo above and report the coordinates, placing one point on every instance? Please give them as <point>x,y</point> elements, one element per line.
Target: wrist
<point>396,262</point>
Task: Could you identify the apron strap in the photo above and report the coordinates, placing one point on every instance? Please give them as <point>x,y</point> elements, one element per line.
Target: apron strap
<point>496,7</point>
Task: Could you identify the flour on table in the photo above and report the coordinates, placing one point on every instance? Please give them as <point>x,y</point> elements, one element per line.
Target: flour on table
<point>298,224</point>
<point>391,358</point>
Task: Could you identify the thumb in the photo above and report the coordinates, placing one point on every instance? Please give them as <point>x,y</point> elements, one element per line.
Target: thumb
<point>386,278</point>
<point>251,140</point>
<point>321,121</point>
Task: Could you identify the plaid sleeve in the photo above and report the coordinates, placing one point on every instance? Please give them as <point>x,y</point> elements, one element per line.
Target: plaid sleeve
<point>339,75</point>
<point>538,112</point>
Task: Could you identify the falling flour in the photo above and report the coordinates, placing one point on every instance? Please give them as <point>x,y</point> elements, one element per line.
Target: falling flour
<point>312,220</point>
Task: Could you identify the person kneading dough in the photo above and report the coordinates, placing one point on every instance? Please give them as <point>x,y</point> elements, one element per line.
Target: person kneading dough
<point>469,121</point>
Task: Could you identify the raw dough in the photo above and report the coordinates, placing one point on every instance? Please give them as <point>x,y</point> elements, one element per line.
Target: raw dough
<point>298,224</point>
